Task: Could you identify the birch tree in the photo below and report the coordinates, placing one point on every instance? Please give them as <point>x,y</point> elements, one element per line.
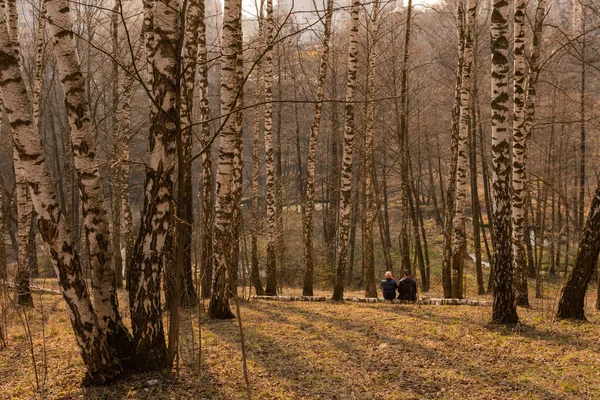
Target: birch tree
<point>271,288</point>
<point>207,191</point>
<point>345,207</point>
<point>117,166</point>
<point>3,268</point>
<point>96,224</point>
<point>504,310</point>
<point>145,271</point>
<point>219,301</point>
<point>572,296</point>
<point>254,273</point>
<point>460,237</point>
<point>99,358</point>
<point>451,189</point>
<point>518,157</point>
<point>307,289</point>
<point>369,193</point>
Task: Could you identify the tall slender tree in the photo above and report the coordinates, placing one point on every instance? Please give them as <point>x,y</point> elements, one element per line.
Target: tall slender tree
<point>518,157</point>
<point>255,273</point>
<point>155,225</point>
<point>99,358</point>
<point>460,237</point>
<point>309,200</point>
<point>207,184</point>
<point>345,207</point>
<point>369,192</point>
<point>504,310</point>
<point>271,288</point>
<point>451,189</point>
<point>95,216</point>
<point>219,302</point>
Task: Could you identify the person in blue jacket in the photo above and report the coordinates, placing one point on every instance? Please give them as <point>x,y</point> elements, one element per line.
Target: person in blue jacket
<point>389,286</point>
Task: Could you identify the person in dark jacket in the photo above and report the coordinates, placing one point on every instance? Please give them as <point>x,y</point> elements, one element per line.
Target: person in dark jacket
<point>407,287</point>
<point>389,286</point>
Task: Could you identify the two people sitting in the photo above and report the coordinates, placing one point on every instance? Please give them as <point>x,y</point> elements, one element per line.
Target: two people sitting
<point>407,287</point>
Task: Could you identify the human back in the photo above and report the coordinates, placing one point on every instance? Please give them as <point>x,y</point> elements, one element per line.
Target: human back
<point>389,286</point>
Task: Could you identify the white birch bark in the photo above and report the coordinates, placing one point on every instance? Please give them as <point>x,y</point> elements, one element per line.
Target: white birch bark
<point>254,273</point>
<point>369,193</point>
<point>271,288</point>
<point>207,167</point>
<point>219,303</point>
<point>519,156</point>
<point>460,237</point>
<point>312,152</point>
<point>95,218</point>
<point>101,360</point>
<point>345,208</point>
<point>504,310</point>
<point>155,224</point>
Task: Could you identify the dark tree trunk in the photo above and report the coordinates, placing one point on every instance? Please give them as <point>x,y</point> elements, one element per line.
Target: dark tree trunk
<point>572,299</point>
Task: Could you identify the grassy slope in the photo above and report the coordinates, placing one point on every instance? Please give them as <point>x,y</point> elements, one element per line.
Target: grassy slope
<point>330,351</point>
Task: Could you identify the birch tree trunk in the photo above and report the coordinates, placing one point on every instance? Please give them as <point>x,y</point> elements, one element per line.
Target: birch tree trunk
<point>207,185</point>
<point>271,288</point>
<point>369,195</point>
<point>345,207</point>
<point>504,310</point>
<point>527,127</point>
<point>22,276</point>
<point>3,269</point>
<point>236,219</point>
<point>572,297</point>
<point>460,237</point>
<point>518,155</point>
<point>155,229</point>
<point>188,293</point>
<point>96,224</point>
<point>307,289</point>
<point>219,302</point>
<point>450,202</point>
<point>39,55</point>
<point>117,166</point>
<point>255,274</point>
<point>403,143</point>
<point>99,358</point>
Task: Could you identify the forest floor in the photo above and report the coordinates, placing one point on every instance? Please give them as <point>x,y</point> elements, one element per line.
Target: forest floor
<point>302,350</point>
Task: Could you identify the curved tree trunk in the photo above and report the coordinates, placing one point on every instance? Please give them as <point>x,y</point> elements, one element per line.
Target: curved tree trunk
<point>309,200</point>
<point>504,310</point>
<point>572,297</point>
<point>345,207</point>
<point>155,230</point>
<point>88,175</point>
<point>100,359</point>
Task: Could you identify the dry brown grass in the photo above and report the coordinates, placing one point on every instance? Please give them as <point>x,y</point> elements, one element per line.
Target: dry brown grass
<point>335,351</point>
